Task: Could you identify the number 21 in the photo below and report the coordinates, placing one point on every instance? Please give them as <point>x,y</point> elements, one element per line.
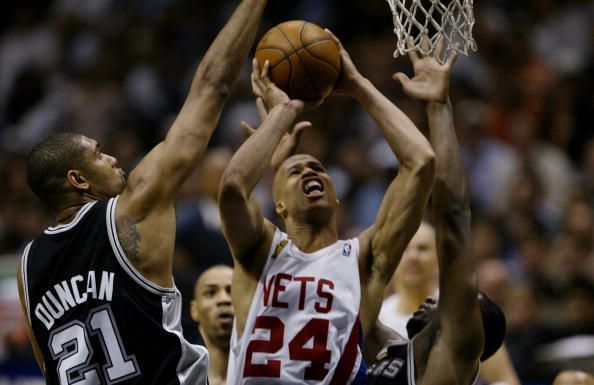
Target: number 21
<point>70,345</point>
<point>318,355</point>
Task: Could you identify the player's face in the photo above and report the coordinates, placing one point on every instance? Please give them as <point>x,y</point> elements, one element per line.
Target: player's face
<point>419,261</point>
<point>211,307</point>
<point>101,171</point>
<point>306,189</point>
<point>421,317</point>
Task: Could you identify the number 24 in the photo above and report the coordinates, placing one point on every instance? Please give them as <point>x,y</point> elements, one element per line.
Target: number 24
<point>318,355</point>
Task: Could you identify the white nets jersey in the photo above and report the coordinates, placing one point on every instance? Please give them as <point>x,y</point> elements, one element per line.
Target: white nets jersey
<point>303,323</point>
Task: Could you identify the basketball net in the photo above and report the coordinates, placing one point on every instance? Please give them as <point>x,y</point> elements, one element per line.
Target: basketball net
<point>416,19</point>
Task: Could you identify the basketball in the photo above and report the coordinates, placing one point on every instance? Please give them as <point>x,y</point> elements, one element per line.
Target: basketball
<point>304,59</point>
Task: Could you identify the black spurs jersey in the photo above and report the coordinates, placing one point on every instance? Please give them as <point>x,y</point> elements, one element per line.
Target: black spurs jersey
<point>96,319</point>
<point>395,365</point>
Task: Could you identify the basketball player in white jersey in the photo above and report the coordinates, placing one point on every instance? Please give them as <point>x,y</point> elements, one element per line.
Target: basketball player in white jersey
<point>299,295</point>
<point>97,288</point>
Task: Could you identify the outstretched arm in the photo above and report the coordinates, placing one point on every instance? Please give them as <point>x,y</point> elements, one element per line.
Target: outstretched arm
<point>243,224</point>
<point>159,175</point>
<point>458,348</point>
<point>402,208</point>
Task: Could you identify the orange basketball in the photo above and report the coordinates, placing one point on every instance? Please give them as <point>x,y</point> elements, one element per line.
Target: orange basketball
<point>304,59</point>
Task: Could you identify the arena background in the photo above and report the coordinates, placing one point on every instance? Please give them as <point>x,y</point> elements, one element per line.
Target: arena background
<point>118,70</point>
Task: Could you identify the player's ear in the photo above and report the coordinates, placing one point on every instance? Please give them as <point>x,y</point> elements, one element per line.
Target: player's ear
<point>77,180</point>
<point>194,310</point>
<point>281,209</point>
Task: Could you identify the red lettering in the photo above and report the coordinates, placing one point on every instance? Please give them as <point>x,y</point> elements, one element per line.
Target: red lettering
<point>304,281</point>
<point>266,290</point>
<point>327,295</point>
<point>279,288</point>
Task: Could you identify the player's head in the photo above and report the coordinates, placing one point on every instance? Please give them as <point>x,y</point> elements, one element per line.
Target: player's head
<point>211,307</point>
<point>66,166</point>
<point>493,322</point>
<point>418,266</point>
<point>302,190</point>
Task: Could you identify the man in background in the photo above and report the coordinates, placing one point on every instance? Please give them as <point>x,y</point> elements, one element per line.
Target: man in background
<point>211,309</point>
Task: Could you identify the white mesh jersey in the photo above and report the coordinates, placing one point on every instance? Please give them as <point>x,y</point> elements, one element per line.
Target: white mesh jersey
<point>303,322</point>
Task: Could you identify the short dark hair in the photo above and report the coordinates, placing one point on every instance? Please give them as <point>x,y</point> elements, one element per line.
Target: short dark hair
<point>493,325</point>
<point>49,162</point>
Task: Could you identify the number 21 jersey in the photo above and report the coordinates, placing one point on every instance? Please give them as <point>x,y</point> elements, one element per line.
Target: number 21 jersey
<point>95,318</point>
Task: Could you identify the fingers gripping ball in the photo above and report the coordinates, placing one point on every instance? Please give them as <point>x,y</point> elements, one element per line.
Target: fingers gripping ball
<point>304,59</point>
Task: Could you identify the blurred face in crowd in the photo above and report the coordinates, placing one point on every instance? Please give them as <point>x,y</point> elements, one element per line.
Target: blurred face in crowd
<point>418,266</point>
<point>211,307</point>
<point>303,190</point>
<point>573,377</point>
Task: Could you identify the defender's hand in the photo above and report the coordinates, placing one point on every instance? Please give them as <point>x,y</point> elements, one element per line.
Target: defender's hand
<point>431,82</point>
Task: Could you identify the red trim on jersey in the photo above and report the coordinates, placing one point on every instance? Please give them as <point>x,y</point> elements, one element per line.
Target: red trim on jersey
<point>345,366</point>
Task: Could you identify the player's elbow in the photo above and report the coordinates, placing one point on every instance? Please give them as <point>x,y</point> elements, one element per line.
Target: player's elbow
<point>423,165</point>
<point>231,186</point>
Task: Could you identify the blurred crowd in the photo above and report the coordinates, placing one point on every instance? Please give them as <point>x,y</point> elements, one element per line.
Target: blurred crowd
<point>118,71</point>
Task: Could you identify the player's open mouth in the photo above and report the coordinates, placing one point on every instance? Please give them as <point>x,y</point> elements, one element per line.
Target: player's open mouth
<point>225,317</point>
<point>313,187</point>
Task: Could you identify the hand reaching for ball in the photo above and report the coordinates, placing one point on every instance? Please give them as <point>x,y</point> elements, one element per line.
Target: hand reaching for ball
<point>349,74</point>
<point>264,88</point>
<point>289,142</point>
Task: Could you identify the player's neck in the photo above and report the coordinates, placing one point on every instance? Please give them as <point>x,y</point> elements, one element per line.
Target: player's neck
<point>67,212</point>
<point>412,297</point>
<point>309,238</point>
<point>217,362</point>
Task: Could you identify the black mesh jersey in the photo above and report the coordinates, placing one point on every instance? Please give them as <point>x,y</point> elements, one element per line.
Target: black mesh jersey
<point>95,318</point>
<point>394,365</point>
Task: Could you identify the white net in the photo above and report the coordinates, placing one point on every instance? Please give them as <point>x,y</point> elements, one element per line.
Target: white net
<point>415,19</point>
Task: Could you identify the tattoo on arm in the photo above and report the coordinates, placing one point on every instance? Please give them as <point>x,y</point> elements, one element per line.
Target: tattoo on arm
<point>129,237</point>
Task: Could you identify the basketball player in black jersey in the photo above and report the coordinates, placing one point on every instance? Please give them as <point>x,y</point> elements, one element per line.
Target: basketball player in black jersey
<point>448,339</point>
<point>97,288</point>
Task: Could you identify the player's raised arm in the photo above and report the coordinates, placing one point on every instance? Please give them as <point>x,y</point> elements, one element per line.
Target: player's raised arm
<point>243,224</point>
<point>402,208</point>
<point>157,178</point>
<point>460,341</point>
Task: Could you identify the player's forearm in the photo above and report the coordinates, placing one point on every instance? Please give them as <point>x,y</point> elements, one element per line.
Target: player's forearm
<point>410,146</point>
<point>248,164</point>
<point>450,190</point>
<point>222,62</point>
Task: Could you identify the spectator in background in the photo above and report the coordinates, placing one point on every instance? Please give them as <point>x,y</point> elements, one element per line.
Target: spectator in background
<point>211,309</point>
<point>573,377</point>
